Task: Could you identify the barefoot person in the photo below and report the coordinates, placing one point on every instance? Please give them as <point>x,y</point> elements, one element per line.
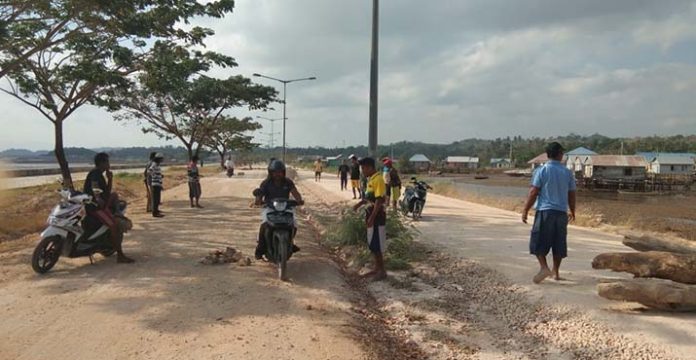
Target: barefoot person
<point>318,169</point>
<point>553,190</point>
<point>105,199</point>
<point>376,216</point>
<point>194,183</point>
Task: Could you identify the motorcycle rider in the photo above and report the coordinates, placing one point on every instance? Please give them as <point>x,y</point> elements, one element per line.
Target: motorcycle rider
<point>100,190</point>
<point>276,186</point>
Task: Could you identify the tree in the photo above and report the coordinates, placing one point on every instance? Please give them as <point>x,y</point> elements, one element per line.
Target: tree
<point>173,100</point>
<point>60,55</point>
<point>230,135</point>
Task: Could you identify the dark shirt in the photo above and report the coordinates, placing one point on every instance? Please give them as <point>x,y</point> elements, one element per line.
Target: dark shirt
<point>95,179</point>
<point>355,172</point>
<point>271,191</point>
<point>343,170</point>
<point>394,178</point>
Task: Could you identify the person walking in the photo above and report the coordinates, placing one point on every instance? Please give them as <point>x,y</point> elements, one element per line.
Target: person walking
<point>355,176</point>
<point>376,217</point>
<point>194,183</point>
<point>318,169</point>
<point>147,182</point>
<point>553,189</point>
<point>343,171</point>
<point>156,184</point>
<point>393,183</point>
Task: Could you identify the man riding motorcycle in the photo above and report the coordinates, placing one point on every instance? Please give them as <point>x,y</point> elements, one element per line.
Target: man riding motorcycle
<point>105,200</point>
<point>276,186</point>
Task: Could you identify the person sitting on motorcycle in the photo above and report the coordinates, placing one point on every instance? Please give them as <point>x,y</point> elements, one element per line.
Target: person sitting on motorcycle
<point>276,186</point>
<point>100,190</point>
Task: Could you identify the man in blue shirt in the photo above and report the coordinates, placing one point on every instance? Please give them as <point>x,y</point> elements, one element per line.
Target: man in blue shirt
<point>553,190</point>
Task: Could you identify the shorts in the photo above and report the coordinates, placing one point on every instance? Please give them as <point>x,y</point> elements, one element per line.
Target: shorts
<point>355,184</point>
<point>377,239</point>
<point>395,192</point>
<point>194,189</point>
<point>550,232</point>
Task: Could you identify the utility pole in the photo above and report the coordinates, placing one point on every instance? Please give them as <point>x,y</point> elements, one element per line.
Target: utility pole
<point>374,69</point>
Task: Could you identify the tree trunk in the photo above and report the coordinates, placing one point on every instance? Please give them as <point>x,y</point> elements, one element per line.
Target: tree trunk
<point>647,243</point>
<point>664,265</point>
<point>60,155</point>
<point>189,149</point>
<point>658,294</point>
<point>222,159</point>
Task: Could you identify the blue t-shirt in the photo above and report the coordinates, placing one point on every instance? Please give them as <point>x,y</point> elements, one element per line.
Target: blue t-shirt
<point>554,181</point>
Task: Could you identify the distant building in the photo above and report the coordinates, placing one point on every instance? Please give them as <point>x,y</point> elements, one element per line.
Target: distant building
<point>461,163</point>
<point>334,160</point>
<point>631,167</point>
<point>501,163</point>
<point>668,164</point>
<point>309,158</point>
<point>538,161</point>
<point>650,156</point>
<point>420,162</point>
<point>575,158</point>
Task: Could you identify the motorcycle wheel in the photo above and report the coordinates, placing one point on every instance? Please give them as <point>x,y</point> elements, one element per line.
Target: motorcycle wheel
<point>46,254</point>
<point>417,210</point>
<point>281,240</point>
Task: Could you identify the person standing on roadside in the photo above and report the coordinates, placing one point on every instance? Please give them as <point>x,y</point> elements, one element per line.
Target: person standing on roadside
<point>147,182</point>
<point>318,169</point>
<point>355,176</point>
<point>553,189</point>
<point>194,182</point>
<point>393,182</point>
<point>343,171</point>
<point>375,216</point>
<point>156,184</point>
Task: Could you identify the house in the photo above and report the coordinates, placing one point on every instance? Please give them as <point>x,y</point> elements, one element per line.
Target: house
<point>334,161</point>
<point>420,162</point>
<point>501,163</point>
<point>538,161</point>
<point>576,157</point>
<point>627,167</point>
<point>461,163</point>
<point>668,164</point>
<point>650,156</point>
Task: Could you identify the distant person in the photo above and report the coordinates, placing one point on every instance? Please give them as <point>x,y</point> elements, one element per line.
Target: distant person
<point>156,184</point>
<point>553,189</point>
<point>106,200</point>
<point>355,176</point>
<point>194,183</point>
<point>343,171</point>
<point>318,169</point>
<point>147,182</point>
<point>375,216</point>
<point>393,182</point>
<point>385,176</point>
<point>229,166</point>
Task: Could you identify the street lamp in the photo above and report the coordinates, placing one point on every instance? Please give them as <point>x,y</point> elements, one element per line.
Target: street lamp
<point>272,133</point>
<point>285,90</point>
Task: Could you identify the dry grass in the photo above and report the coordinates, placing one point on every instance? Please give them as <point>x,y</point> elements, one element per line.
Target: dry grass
<point>24,211</point>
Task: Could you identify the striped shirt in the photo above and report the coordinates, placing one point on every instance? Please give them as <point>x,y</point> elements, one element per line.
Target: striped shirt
<point>155,174</point>
<point>193,175</point>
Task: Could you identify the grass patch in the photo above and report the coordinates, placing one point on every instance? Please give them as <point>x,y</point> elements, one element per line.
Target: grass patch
<point>351,231</point>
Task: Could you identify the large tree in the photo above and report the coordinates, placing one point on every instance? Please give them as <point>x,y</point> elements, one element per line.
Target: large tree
<point>174,99</point>
<point>232,134</point>
<point>60,55</point>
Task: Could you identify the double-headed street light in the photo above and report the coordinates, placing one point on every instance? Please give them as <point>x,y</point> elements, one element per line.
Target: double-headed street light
<point>272,133</point>
<point>285,89</point>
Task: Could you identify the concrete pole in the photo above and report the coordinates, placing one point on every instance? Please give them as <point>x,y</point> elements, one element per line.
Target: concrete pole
<point>374,69</point>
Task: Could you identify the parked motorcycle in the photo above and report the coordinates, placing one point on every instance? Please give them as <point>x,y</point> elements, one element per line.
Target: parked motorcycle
<point>279,233</point>
<point>413,201</point>
<point>71,233</point>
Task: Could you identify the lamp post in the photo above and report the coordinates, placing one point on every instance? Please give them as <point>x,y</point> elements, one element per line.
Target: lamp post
<point>272,133</point>
<point>285,90</point>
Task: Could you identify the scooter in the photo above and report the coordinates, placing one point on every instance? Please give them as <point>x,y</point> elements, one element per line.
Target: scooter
<point>414,198</point>
<point>71,233</point>
<point>279,234</point>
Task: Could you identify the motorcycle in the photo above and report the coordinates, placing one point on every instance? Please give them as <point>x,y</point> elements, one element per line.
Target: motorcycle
<point>413,201</point>
<point>279,233</point>
<point>71,233</point>
<point>230,171</point>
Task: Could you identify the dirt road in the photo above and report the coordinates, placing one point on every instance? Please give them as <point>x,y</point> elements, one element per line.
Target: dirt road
<point>497,240</point>
<point>167,305</point>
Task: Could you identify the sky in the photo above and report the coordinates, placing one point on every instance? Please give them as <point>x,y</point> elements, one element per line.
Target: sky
<point>449,70</point>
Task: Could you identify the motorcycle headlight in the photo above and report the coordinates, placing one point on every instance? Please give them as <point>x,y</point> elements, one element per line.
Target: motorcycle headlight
<point>280,205</point>
<point>52,220</point>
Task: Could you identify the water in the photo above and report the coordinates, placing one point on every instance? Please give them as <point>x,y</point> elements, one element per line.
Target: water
<point>36,166</point>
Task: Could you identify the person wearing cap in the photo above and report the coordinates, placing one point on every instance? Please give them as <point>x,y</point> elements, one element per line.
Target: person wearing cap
<point>553,190</point>
<point>355,176</point>
<point>376,216</point>
<point>393,182</point>
<point>156,183</point>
